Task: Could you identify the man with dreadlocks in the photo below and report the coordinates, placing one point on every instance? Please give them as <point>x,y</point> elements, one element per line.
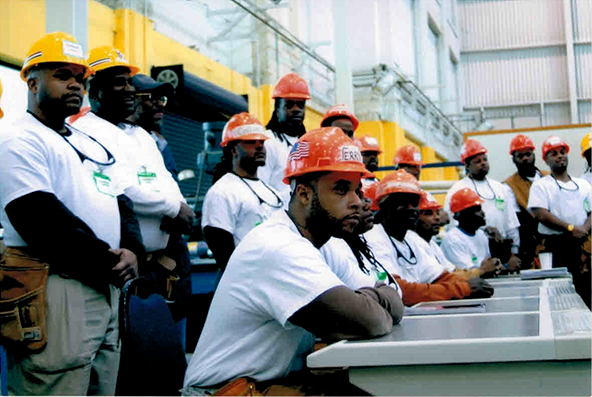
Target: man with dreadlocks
<point>290,95</point>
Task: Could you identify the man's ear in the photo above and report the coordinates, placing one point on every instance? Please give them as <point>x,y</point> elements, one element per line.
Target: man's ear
<point>304,194</point>
<point>33,83</point>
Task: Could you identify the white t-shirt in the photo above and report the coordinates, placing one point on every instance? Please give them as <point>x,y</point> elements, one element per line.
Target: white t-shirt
<point>466,251</point>
<point>587,176</point>
<point>396,256</point>
<point>275,165</point>
<point>344,264</point>
<point>232,206</point>
<point>35,158</point>
<point>149,185</point>
<point>510,193</point>
<point>570,203</point>
<point>498,212</point>
<point>272,274</point>
<point>436,250</point>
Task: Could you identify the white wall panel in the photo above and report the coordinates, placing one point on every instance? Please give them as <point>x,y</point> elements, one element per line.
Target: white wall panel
<point>403,42</point>
<point>585,112</point>
<point>531,75</point>
<point>582,55</point>
<point>557,114</point>
<point>510,23</point>
<point>431,66</point>
<point>582,15</point>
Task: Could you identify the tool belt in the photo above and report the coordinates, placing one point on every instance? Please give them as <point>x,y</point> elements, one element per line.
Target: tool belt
<point>23,288</point>
<point>163,275</point>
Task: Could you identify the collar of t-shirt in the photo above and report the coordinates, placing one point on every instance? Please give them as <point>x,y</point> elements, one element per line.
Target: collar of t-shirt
<point>291,140</point>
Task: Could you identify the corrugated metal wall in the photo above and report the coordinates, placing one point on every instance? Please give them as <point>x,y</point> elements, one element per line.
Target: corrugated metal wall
<point>557,114</point>
<point>585,112</point>
<point>582,55</point>
<point>582,17</point>
<point>511,77</point>
<point>511,23</point>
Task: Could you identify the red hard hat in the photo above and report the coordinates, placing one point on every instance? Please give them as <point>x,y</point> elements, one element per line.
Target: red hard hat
<point>553,142</point>
<point>408,154</point>
<point>243,127</point>
<point>325,149</point>
<point>521,142</point>
<point>471,148</point>
<point>340,110</point>
<point>463,199</point>
<point>370,193</point>
<point>367,143</point>
<point>397,182</point>
<point>428,202</point>
<point>291,86</point>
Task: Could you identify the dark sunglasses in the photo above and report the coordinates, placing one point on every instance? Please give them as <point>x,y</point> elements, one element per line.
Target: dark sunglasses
<point>153,97</point>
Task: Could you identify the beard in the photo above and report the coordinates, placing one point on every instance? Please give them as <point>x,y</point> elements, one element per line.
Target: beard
<point>527,169</point>
<point>320,220</point>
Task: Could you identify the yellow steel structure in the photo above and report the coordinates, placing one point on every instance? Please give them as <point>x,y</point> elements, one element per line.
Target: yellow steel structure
<point>23,22</point>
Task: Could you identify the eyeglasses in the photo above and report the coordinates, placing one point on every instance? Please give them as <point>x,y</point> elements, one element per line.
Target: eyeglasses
<point>153,97</point>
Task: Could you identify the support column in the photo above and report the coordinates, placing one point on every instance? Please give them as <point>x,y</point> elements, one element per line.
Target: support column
<point>69,16</point>
<point>343,75</point>
<point>571,64</point>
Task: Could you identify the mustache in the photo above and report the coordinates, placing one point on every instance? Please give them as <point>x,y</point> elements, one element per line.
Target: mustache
<point>73,95</point>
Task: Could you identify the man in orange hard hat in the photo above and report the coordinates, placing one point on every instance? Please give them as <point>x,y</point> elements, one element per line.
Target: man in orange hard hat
<point>408,158</point>
<point>370,150</point>
<point>162,211</point>
<point>341,117</point>
<point>561,204</point>
<point>428,226</point>
<point>278,292</point>
<point>1,112</point>
<point>397,247</point>
<point>500,214</point>
<point>61,211</point>
<point>239,200</point>
<point>467,246</point>
<point>523,156</point>
<point>585,147</point>
<point>290,95</point>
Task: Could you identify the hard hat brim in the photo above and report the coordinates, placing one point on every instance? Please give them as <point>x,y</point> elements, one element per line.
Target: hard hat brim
<point>339,167</point>
<point>248,137</point>
<point>291,96</point>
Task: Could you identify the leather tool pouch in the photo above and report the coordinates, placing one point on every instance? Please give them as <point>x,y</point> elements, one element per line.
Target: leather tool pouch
<point>164,276</point>
<point>23,286</point>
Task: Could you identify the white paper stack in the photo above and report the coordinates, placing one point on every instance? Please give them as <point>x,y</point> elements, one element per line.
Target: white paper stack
<point>543,273</point>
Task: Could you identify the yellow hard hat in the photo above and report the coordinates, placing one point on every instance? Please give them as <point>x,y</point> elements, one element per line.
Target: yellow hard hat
<point>585,144</point>
<point>54,47</point>
<point>106,57</point>
<point>1,112</point>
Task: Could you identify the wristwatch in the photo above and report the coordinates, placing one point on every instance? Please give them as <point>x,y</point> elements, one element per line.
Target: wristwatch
<point>570,228</point>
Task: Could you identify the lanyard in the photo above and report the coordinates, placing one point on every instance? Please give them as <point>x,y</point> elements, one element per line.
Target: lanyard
<point>279,204</point>
<point>412,259</point>
<point>563,188</point>
<point>490,188</point>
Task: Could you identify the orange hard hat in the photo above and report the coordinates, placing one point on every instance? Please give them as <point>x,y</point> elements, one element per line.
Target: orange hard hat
<point>325,149</point>
<point>463,199</point>
<point>428,202</point>
<point>367,143</point>
<point>408,154</point>
<point>291,86</point>
<point>243,127</point>
<point>370,193</point>
<point>471,148</point>
<point>397,182</point>
<point>340,111</point>
<point>554,142</point>
<point>521,142</point>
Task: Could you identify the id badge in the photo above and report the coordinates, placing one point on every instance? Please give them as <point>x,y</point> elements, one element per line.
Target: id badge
<point>500,204</point>
<point>587,204</point>
<point>103,183</point>
<point>474,260</point>
<point>148,179</point>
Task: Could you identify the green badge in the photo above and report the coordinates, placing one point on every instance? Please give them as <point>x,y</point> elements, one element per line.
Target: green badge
<point>587,204</point>
<point>500,204</point>
<point>103,183</point>
<point>147,178</point>
<point>381,276</point>
<point>474,260</point>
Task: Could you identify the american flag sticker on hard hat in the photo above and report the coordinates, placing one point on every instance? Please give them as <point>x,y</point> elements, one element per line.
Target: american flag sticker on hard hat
<point>299,150</point>
<point>350,153</point>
